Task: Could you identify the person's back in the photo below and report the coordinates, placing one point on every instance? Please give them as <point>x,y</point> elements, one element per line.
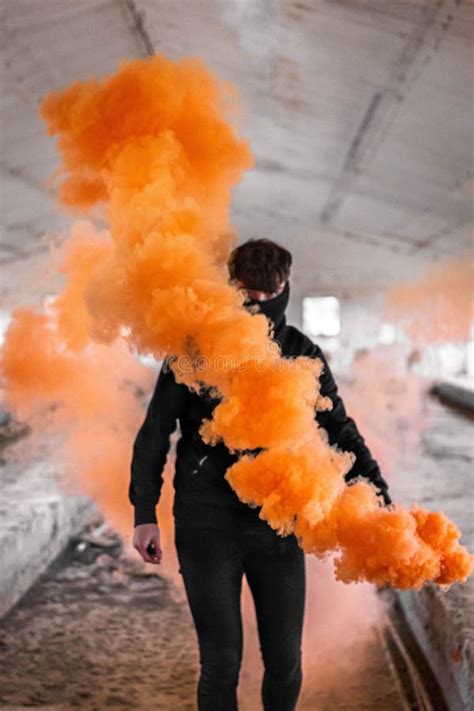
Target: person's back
<point>218,538</point>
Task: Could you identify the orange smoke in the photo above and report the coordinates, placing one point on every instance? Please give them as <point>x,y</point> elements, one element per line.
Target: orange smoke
<point>152,147</point>
<point>440,306</point>
<point>89,389</point>
<point>384,396</point>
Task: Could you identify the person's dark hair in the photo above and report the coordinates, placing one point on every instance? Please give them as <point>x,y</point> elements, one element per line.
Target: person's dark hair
<point>260,264</point>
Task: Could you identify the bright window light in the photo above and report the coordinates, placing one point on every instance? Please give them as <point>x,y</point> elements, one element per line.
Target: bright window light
<point>5,319</point>
<point>321,316</point>
<point>48,301</point>
<point>387,334</point>
<point>470,360</point>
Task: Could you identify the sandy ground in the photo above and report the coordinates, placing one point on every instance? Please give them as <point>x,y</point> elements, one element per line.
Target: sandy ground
<point>98,631</point>
<point>101,630</point>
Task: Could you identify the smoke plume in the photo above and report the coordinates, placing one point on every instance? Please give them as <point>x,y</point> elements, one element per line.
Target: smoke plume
<point>439,307</point>
<point>151,152</point>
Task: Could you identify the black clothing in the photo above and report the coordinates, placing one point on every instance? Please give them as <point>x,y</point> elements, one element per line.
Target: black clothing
<point>219,538</point>
<point>201,492</point>
<point>212,563</point>
<point>274,308</point>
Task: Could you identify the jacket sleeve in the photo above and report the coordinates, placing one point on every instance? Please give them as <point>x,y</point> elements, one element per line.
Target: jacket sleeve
<point>152,443</point>
<point>342,431</point>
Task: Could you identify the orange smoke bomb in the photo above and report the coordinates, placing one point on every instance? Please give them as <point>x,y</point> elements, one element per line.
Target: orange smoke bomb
<point>153,145</point>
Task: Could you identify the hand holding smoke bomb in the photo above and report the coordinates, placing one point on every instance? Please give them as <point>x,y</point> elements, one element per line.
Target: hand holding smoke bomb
<point>154,552</point>
<point>146,540</point>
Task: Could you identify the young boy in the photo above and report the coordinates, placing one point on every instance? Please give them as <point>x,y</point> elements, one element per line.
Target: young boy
<point>218,538</point>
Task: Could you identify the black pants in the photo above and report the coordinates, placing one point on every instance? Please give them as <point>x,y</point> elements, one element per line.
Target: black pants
<point>212,563</point>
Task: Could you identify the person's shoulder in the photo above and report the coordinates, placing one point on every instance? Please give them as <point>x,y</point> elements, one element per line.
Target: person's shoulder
<point>298,343</point>
<point>167,375</point>
<point>165,369</point>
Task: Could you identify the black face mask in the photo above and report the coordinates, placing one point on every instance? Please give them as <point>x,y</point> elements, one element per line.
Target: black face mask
<point>274,308</point>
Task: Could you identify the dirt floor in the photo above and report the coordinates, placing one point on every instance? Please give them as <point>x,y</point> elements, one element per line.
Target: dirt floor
<point>98,631</point>
<point>101,630</point>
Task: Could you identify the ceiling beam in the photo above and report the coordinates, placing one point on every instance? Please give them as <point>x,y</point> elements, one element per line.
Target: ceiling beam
<point>385,103</point>
<point>137,21</point>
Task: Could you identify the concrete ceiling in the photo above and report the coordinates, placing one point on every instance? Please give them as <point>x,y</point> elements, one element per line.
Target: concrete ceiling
<point>359,113</point>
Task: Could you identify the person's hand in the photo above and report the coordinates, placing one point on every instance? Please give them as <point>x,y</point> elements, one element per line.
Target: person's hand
<point>144,535</point>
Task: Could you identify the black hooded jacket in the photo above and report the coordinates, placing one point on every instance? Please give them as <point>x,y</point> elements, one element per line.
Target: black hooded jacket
<point>201,491</point>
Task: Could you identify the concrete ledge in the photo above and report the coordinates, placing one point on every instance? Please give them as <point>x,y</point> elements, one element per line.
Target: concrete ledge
<point>458,392</point>
<point>439,477</point>
<point>438,621</point>
<point>36,520</point>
